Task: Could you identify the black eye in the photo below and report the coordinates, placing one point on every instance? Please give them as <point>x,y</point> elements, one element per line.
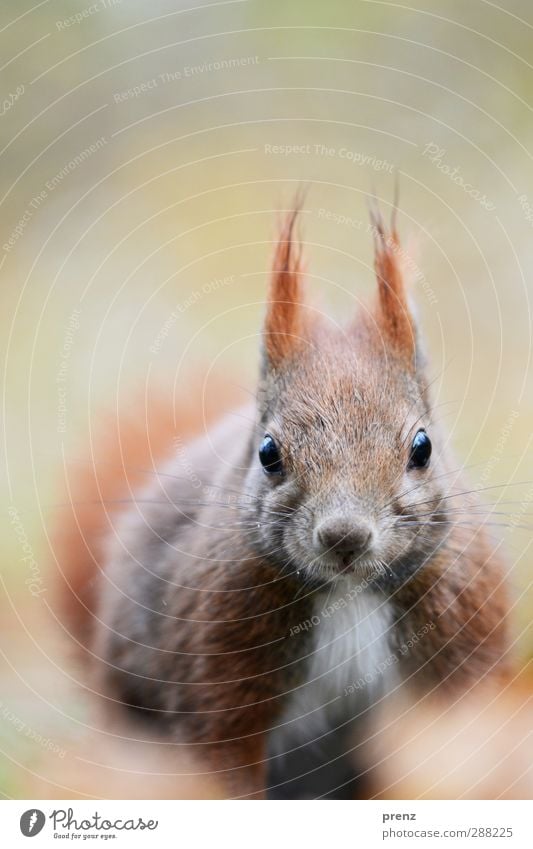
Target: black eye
<point>270,457</point>
<point>420,450</point>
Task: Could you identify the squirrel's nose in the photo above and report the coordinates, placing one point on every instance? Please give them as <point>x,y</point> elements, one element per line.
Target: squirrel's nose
<point>343,535</point>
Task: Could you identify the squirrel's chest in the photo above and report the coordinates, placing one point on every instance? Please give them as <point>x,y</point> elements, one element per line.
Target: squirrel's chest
<point>349,665</point>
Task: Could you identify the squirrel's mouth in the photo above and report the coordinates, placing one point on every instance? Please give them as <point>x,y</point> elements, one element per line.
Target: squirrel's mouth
<point>329,565</point>
<point>359,568</point>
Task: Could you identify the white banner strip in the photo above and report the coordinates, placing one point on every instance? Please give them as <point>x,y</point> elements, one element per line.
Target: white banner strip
<point>266,825</point>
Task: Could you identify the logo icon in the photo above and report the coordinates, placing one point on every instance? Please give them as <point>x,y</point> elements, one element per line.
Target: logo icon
<point>32,822</point>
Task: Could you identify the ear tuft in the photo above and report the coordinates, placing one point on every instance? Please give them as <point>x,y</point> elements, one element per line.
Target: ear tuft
<point>285,324</point>
<point>393,315</point>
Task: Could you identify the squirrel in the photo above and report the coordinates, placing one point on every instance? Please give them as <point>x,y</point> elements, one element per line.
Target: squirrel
<point>298,563</point>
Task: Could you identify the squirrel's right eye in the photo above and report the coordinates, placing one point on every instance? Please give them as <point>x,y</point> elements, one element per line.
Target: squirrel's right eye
<point>420,450</point>
<point>270,457</point>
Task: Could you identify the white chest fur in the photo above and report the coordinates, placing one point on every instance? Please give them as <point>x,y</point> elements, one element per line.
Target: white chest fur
<point>350,664</point>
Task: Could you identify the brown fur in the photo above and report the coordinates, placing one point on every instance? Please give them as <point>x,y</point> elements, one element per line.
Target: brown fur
<point>285,323</point>
<point>202,592</point>
<point>477,746</point>
<point>127,448</point>
<point>393,313</point>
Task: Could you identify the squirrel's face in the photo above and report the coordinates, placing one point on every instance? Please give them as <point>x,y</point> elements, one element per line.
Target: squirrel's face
<point>349,471</point>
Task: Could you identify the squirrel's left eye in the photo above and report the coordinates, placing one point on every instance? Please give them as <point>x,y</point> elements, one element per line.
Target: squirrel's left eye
<point>420,450</point>
<point>270,457</point>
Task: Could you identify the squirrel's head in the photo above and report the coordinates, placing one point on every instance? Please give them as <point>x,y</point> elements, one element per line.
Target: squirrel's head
<point>347,480</point>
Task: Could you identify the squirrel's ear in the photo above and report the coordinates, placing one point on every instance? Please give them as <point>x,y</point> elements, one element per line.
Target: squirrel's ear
<point>285,321</point>
<point>393,314</point>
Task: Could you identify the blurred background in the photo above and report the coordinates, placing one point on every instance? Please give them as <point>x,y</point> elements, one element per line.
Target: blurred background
<point>147,151</point>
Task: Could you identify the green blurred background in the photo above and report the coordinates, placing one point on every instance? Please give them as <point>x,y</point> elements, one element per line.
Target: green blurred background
<point>146,151</point>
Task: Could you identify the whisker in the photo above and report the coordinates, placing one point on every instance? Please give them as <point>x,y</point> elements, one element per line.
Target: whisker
<point>467,523</point>
<point>420,398</point>
<point>471,492</point>
<point>173,503</point>
<point>407,492</point>
<point>474,511</point>
<point>429,415</point>
<point>247,419</point>
<point>180,479</point>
